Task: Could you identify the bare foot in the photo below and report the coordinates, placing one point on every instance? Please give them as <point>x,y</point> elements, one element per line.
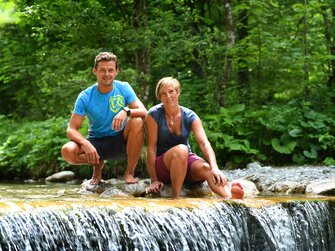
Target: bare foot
<point>97,173</point>
<point>130,179</point>
<point>237,191</point>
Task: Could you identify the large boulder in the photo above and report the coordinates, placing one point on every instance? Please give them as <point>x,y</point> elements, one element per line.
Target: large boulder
<point>288,187</point>
<point>62,176</point>
<point>322,187</point>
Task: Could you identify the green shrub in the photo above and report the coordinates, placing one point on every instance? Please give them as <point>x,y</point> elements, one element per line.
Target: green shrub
<point>32,149</point>
<point>292,133</point>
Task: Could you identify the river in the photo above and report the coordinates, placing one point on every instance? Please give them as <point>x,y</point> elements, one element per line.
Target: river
<point>58,217</point>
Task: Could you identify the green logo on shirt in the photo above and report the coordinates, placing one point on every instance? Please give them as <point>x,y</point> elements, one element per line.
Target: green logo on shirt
<point>116,103</point>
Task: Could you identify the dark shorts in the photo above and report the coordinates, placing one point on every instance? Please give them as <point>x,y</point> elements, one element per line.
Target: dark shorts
<point>163,174</point>
<point>110,147</point>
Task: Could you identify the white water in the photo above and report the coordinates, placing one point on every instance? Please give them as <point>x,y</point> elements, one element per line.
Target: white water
<point>220,226</point>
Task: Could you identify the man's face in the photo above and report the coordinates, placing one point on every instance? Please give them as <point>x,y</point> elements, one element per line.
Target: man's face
<point>106,72</point>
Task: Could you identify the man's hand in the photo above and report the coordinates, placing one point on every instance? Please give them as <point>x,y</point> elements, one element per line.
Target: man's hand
<point>91,153</point>
<point>118,120</point>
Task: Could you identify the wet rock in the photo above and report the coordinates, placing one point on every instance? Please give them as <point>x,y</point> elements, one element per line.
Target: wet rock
<point>288,187</point>
<point>115,187</point>
<point>255,179</point>
<point>276,179</point>
<point>30,181</point>
<point>254,166</point>
<point>61,176</point>
<point>199,190</point>
<point>86,187</point>
<point>166,192</point>
<point>74,182</point>
<point>322,187</point>
<point>138,189</point>
<point>300,189</point>
<point>114,192</point>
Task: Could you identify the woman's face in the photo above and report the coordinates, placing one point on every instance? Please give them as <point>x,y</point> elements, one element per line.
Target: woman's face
<point>169,95</point>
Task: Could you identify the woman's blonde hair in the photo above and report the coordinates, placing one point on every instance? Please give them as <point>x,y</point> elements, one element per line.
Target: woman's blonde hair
<point>164,82</point>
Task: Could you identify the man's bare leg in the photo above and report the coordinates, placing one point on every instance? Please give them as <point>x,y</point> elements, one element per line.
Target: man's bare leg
<point>134,137</point>
<point>97,173</point>
<point>73,154</point>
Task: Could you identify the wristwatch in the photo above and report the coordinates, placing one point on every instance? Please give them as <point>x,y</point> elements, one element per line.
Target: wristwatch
<point>127,110</point>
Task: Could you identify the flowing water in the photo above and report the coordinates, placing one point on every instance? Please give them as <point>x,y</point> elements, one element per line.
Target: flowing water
<point>57,217</point>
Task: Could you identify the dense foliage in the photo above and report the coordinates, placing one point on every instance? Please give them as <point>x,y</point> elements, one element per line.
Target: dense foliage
<point>261,74</point>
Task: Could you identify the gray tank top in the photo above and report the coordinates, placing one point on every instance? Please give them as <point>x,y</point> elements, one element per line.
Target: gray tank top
<point>165,138</point>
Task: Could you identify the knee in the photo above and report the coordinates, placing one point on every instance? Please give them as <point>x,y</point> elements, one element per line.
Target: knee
<point>67,153</point>
<point>180,153</point>
<point>206,167</point>
<point>64,151</point>
<point>136,123</point>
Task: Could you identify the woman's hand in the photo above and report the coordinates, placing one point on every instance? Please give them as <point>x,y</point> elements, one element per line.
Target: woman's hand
<point>155,187</point>
<point>218,177</point>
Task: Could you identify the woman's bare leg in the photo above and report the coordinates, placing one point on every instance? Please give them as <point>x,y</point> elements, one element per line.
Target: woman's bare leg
<point>175,161</point>
<point>200,170</point>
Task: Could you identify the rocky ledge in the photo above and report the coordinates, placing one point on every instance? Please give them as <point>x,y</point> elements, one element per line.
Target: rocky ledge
<point>255,178</point>
<point>309,180</point>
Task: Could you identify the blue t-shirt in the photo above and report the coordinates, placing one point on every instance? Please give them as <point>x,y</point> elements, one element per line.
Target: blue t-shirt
<point>165,138</point>
<point>101,108</point>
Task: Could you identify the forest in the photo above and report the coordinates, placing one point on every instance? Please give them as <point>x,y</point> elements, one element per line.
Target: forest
<point>260,74</point>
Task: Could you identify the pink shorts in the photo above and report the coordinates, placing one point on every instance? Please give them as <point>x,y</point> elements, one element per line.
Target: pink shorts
<point>163,174</point>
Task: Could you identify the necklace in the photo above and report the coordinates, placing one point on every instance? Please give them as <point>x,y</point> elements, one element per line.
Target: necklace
<point>171,122</point>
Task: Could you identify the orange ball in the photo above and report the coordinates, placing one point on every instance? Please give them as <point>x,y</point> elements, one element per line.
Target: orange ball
<point>237,191</point>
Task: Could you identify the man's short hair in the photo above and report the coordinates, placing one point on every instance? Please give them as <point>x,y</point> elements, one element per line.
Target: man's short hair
<point>105,56</point>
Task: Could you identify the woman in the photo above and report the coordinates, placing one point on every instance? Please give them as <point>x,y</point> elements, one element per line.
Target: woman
<point>170,159</point>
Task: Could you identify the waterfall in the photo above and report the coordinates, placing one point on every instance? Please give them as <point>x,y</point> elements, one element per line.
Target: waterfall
<point>304,225</point>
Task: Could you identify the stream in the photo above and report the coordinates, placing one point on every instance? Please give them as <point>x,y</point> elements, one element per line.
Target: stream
<point>58,217</point>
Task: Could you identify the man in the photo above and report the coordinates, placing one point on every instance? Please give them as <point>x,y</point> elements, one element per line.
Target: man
<point>115,122</point>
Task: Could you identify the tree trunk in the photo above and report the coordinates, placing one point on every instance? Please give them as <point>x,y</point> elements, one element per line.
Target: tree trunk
<point>243,69</point>
<point>142,54</point>
<point>306,52</point>
<point>330,38</point>
<point>228,64</point>
<point>332,52</point>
